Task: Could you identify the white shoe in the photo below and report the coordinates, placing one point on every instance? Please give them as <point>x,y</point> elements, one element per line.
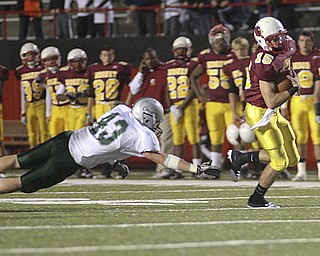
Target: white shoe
<point>3,175</point>
<point>299,178</point>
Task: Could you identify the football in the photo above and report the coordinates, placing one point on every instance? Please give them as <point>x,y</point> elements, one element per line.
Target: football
<point>282,82</point>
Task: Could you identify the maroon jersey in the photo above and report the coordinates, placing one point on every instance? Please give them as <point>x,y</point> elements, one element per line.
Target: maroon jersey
<point>303,67</point>
<point>264,66</point>
<point>52,82</point>
<point>178,78</point>
<point>75,82</point>
<point>218,84</point>
<point>236,70</point>
<point>33,90</point>
<point>316,68</point>
<point>107,82</point>
<point>155,86</point>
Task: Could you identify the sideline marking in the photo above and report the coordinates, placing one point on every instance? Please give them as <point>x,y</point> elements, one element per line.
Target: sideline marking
<point>122,247</point>
<point>148,225</point>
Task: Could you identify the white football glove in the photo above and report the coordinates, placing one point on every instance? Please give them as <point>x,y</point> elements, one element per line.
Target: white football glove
<point>89,119</point>
<point>177,113</point>
<point>23,119</point>
<point>318,119</point>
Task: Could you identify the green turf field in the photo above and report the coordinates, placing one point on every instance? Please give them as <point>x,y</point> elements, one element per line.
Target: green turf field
<point>141,216</point>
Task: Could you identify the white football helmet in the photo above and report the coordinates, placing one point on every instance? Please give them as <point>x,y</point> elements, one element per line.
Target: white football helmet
<point>149,112</point>
<point>184,43</point>
<point>77,58</point>
<point>232,134</point>
<point>51,57</point>
<point>246,134</point>
<point>29,48</point>
<point>271,35</point>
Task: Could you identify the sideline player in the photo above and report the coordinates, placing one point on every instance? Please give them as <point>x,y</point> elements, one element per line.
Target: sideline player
<point>56,111</point>
<point>184,118</point>
<point>263,99</point>
<point>118,134</point>
<point>33,108</point>
<point>218,108</point>
<point>302,111</point>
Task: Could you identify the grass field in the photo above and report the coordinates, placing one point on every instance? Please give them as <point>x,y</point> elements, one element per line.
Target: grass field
<point>143,216</point>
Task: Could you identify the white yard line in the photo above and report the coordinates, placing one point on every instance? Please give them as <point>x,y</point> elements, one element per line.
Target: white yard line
<point>164,224</point>
<point>186,182</point>
<point>142,247</point>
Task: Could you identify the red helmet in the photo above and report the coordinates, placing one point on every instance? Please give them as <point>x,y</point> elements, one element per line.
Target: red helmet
<point>218,32</point>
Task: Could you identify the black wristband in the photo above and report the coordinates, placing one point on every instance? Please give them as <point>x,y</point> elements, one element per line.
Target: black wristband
<point>317,108</point>
<point>293,90</point>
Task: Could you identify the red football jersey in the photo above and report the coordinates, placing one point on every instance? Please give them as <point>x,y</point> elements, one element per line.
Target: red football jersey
<point>303,67</point>
<point>75,82</point>
<point>236,70</point>
<point>264,66</point>
<point>218,84</point>
<point>178,78</point>
<point>33,90</point>
<point>107,82</point>
<point>52,82</point>
<point>155,86</point>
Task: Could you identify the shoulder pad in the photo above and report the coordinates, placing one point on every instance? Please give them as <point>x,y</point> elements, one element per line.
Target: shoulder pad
<point>170,61</point>
<point>19,67</point>
<point>65,68</point>
<point>228,62</point>
<point>205,51</point>
<point>195,59</point>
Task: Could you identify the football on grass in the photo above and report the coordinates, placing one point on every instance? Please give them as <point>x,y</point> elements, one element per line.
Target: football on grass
<point>282,82</point>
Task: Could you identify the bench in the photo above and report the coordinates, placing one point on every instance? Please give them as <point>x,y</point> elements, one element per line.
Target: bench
<point>15,135</point>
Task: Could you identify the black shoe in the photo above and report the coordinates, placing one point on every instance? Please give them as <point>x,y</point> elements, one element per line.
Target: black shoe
<point>177,175</point>
<point>236,163</point>
<point>260,202</point>
<point>84,173</point>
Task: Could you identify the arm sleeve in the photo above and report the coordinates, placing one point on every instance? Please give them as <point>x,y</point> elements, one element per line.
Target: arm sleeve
<point>135,84</point>
<point>61,89</point>
<point>48,102</point>
<point>23,101</point>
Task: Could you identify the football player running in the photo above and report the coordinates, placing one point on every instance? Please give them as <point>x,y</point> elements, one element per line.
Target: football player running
<point>33,108</point>
<point>184,108</point>
<point>56,111</point>
<point>263,100</point>
<point>217,105</point>
<point>118,134</point>
<point>302,111</point>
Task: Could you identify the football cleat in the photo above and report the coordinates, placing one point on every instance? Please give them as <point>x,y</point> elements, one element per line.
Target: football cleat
<point>123,170</point>
<point>207,171</point>
<point>260,202</point>
<point>236,163</point>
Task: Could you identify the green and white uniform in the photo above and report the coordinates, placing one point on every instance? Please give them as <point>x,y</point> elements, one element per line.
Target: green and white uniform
<point>116,135</point>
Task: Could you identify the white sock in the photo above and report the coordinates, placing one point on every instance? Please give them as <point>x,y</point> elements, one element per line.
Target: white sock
<point>318,165</point>
<point>302,169</point>
<point>215,157</point>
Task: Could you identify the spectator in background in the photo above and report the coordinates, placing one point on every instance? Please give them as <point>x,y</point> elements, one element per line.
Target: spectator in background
<point>225,13</point>
<point>146,19</point>
<point>204,16</point>
<point>63,20</point>
<point>190,18</point>
<point>99,18</point>
<point>84,18</point>
<point>171,17</point>
<point>31,10</point>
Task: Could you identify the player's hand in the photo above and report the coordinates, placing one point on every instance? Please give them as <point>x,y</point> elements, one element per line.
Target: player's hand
<point>177,113</point>
<point>318,119</point>
<point>123,169</point>
<point>294,80</point>
<point>89,119</point>
<point>71,96</point>
<point>143,67</point>
<point>23,119</point>
<point>207,171</point>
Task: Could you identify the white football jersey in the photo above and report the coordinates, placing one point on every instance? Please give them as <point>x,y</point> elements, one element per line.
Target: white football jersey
<point>116,135</point>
